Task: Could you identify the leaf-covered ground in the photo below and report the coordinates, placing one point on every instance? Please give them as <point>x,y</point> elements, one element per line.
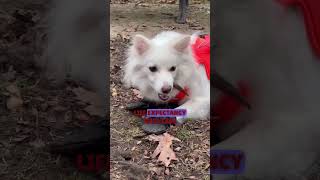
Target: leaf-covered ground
<point>131,151</point>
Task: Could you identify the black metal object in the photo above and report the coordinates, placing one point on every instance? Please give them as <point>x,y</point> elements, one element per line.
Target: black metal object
<point>183,10</point>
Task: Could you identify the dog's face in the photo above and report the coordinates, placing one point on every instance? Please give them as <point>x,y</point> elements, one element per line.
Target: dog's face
<point>157,64</point>
<point>161,75</point>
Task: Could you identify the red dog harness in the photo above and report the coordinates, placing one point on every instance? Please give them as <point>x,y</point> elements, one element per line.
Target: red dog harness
<point>311,13</point>
<point>226,107</point>
<point>201,52</point>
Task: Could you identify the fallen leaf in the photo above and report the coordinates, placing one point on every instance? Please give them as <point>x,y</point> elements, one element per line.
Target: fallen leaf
<point>34,111</point>
<point>13,90</point>
<point>137,93</point>
<point>68,116</point>
<point>10,75</point>
<point>163,148</point>
<point>87,96</point>
<point>95,110</point>
<point>22,122</point>
<point>44,106</point>
<point>52,118</point>
<point>167,171</point>
<point>13,103</point>
<point>83,116</point>
<point>52,103</point>
<point>96,107</point>
<point>20,139</point>
<point>37,143</point>
<point>59,108</point>
<point>18,129</point>
<point>114,92</point>
<point>156,170</point>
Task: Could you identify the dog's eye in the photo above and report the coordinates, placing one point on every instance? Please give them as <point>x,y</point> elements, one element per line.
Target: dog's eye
<point>153,68</point>
<point>173,68</point>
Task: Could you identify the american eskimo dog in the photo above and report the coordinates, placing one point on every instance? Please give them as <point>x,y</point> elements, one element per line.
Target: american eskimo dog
<point>155,66</point>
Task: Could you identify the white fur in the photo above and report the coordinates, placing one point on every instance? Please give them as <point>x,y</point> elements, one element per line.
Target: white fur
<point>160,52</point>
<point>265,44</point>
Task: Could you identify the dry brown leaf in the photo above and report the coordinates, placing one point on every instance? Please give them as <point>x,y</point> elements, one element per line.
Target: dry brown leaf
<point>20,138</point>
<point>114,92</point>
<point>68,116</point>
<point>137,93</point>
<point>96,107</point>
<point>95,110</point>
<point>37,143</point>
<point>153,137</point>
<point>167,171</point>
<point>83,116</point>
<point>10,75</point>
<point>87,96</point>
<point>13,103</point>
<point>59,108</point>
<point>164,148</point>
<point>156,170</point>
<point>44,106</point>
<point>13,90</point>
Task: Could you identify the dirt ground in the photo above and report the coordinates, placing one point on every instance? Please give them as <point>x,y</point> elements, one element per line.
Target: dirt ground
<point>34,111</point>
<point>130,151</point>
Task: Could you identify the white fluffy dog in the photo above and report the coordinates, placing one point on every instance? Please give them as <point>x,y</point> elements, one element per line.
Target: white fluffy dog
<point>155,65</point>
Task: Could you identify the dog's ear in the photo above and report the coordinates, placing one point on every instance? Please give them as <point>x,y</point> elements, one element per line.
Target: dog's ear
<point>141,44</point>
<point>182,44</point>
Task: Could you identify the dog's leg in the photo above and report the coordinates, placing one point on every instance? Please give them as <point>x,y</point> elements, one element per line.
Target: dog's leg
<point>197,108</point>
<point>183,6</point>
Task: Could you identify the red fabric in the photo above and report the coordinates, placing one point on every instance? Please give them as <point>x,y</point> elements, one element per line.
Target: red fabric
<point>180,96</point>
<point>201,52</point>
<point>227,108</point>
<point>311,13</point>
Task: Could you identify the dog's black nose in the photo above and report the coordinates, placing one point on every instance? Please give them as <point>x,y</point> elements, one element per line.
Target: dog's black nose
<point>166,89</point>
